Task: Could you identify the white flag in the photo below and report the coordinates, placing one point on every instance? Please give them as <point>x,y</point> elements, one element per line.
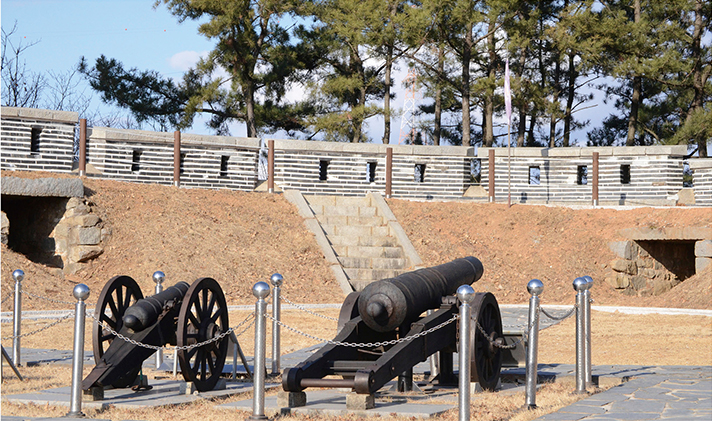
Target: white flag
<point>507,92</point>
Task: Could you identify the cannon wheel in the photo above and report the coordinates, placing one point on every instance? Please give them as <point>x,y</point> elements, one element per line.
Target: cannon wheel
<point>203,315</point>
<point>118,294</point>
<point>486,359</point>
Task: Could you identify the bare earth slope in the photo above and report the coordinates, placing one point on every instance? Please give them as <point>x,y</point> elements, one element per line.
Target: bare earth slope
<point>240,238</point>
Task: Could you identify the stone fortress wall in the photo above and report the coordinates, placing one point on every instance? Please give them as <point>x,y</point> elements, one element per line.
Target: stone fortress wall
<point>37,140</point>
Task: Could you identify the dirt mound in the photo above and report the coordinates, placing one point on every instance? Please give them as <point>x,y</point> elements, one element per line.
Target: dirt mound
<point>240,238</point>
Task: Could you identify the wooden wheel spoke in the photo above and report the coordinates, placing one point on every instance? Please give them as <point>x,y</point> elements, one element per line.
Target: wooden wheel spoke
<point>193,319</point>
<point>112,305</point>
<point>215,315</point>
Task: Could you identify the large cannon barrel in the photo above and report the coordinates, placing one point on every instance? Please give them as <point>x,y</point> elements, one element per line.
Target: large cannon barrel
<point>145,311</point>
<point>386,304</point>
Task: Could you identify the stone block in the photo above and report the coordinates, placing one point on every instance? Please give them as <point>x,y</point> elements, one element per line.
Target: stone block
<point>94,393</point>
<point>88,220</point>
<point>619,281</point>
<point>4,227</point>
<point>88,236</point>
<point>638,282</point>
<point>82,254</point>
<point>701,263</point>
<point>648,273</point>
<point>291,399</point>
<point>61,231</point>
<point>625,266</point>
<point>624,249</point>
<point>645,263</point>
<point>43,187</point>
<point>686,197</point>
<point>475,191</point>
<point>187,388</point>
<point>703,248</point>
<point>356,402</point>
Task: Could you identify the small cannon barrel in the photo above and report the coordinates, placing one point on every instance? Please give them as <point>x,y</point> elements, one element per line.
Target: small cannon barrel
<point>145,311</point>
<point>386,304</point>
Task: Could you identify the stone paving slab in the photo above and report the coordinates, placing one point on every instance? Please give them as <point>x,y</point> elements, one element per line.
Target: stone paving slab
<point>333,403</point>
<point>164,392</point>
<point>651,393</point>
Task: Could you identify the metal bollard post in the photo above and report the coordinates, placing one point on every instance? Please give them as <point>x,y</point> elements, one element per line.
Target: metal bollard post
<point>261,291</point>
<point>534,287</point>
<point>158,278</point>
<point>465,294</point>
<point>580,286</point>
<point>276,314</point>
<point>434,359</point>
<point>81,293</point>
<point>587,331</point>
<point>18,276</point>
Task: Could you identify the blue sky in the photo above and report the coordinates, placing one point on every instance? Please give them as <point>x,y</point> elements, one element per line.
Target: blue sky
<point>138,35</point>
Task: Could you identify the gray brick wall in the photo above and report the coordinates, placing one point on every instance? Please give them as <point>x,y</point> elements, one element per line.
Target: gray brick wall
<point>220,162</point>
<point>54,140</point>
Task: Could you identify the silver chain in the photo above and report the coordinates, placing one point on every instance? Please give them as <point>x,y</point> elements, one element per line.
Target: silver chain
<point>47,299</point>
<point>7,298</point>
<point>175,348</point>
<point>308,311</point>
<point>566,316</point>
<point>56,322</point>
<point>366,345</point>
<point>552,317</point>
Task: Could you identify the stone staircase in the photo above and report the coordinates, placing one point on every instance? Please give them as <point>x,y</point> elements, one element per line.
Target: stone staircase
<point>360,237</point>
<point>361,234</point>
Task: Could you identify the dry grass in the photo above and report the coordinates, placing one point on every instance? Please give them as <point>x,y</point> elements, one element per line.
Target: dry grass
<point>614,335</point>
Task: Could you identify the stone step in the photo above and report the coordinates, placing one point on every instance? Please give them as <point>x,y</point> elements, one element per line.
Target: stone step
<point>363,211</point>
<point>372,263</point>
<point>360,284</point>
<point>364,241</point>
<point>373,274</point>
<point>349,220</point>
<point>356,231</point>
<point>366,251</point>
<point>338,201</point>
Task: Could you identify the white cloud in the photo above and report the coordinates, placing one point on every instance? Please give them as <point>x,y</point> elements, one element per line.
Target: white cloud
<point>185,59</point>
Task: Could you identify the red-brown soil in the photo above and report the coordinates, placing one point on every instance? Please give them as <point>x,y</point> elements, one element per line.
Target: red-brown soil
<point>240,238</point>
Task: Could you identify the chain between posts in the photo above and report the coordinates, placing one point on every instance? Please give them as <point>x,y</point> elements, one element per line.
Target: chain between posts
<point>10,294</point>
<point>179,348</point>
<point>366,345</point>
<point>45,298</point>
<point>525,334</point>
<point>308,311</point>
<point>43,328</point>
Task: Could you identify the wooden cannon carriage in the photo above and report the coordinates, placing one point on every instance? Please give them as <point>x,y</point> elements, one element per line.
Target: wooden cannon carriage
<point>181,315</point>
<point>393,308</point>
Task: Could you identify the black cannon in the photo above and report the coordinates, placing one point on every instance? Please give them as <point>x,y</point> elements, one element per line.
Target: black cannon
<point>393,308</point>
<point>182,315</point>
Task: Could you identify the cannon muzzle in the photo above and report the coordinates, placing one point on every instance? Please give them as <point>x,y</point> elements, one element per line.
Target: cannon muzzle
<point>389,303</point>
<point>146,310</point>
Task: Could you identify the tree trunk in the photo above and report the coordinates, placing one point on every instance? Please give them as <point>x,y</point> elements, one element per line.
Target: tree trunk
<point>556,95</point>
<point>569,100</point>
<point>488,109</point>
<point>465,88</point>
<point>521,130</point>
<point>437,124</point>
<point>637,91</point>
<point>387,98</point>
<point>699,77</point>
<point>250,109</point>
